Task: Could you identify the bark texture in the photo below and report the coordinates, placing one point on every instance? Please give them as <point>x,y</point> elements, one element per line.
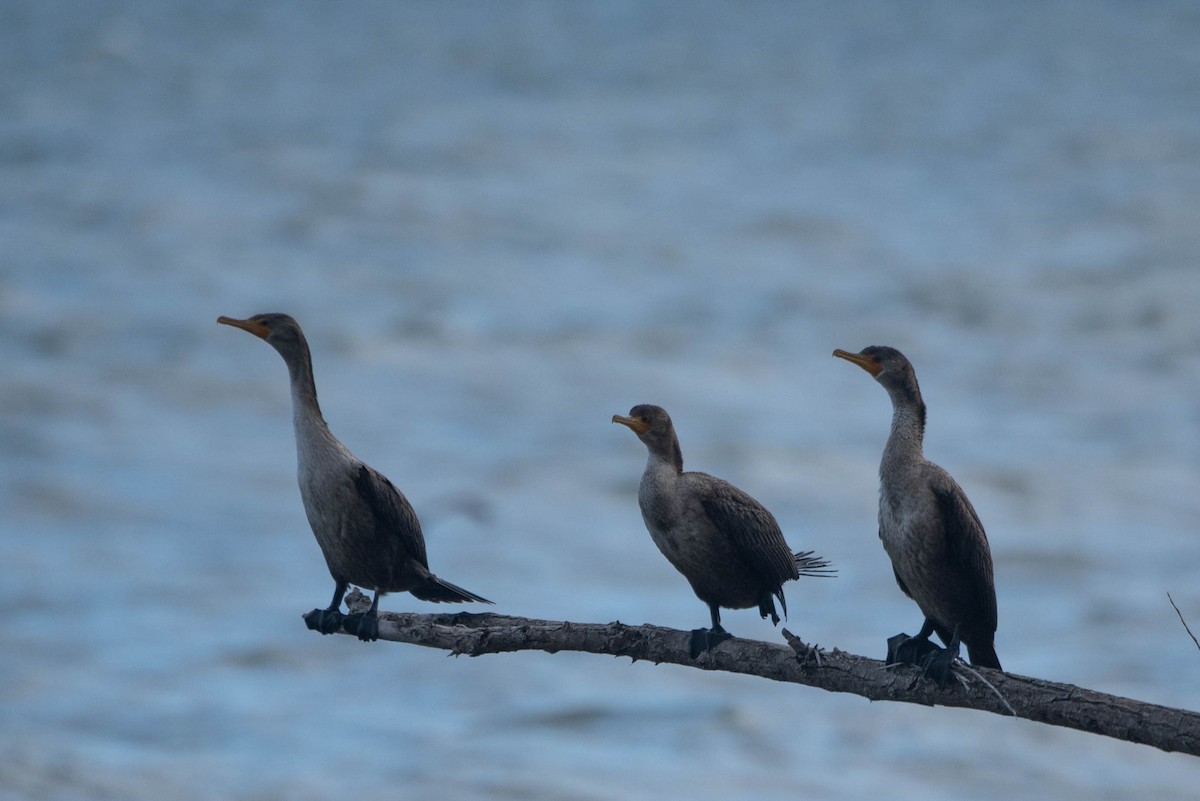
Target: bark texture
<point>836,671</point>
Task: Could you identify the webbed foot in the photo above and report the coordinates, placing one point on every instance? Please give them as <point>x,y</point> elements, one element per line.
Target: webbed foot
<point>326,621</point>
<point>937,666</point>
<point>935,662</point>
<point>906,650</point>
<point>706,639</point>
<point>364,625</point>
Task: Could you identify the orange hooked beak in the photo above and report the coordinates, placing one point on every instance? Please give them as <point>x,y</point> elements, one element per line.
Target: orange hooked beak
<point>251,325</point>
<point>636,425</point>
<point>865,362</point>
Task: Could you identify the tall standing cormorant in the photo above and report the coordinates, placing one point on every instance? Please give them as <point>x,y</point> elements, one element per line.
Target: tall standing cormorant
<point>725,543</point>
<point>366,528</point>
<point>937,545</point>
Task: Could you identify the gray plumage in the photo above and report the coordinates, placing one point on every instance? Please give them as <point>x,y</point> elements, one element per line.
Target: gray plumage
<point>937,545</point>
<point>725,543</point>
<point>368,532</point>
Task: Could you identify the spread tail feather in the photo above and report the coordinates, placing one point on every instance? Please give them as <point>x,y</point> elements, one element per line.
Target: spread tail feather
<point>809,564</point>
<point>438,591</point>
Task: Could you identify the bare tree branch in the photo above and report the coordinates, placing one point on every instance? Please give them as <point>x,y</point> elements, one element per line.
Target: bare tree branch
<point>1186,627</point>
<point>836,671</point>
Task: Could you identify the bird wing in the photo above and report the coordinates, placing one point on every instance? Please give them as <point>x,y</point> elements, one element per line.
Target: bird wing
<point>900,582</point>
<point>967,547</point>
<point>393,516</point>
<point>751,528</point>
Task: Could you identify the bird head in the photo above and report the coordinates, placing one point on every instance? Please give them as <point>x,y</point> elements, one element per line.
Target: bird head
<point>279,330</point>
<point>652,425</point>
<point>886,365</point>
<point>889,367</point>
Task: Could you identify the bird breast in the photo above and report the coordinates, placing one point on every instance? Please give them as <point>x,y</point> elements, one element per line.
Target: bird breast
<point>325,472</point>
<point>909,527</point>
<point>915,540</point>
<point>679,525</point>
<point>327,490</point>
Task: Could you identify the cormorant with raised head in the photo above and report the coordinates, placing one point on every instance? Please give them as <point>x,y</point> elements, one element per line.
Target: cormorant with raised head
<point>937,545</point>
<point>367,530</point>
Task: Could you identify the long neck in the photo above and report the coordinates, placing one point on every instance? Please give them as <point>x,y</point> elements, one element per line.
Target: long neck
<point>904,445</point>
<point>666,454</point>
<point>311,429</point>
<point>304,388</point>
<point>658,495</point>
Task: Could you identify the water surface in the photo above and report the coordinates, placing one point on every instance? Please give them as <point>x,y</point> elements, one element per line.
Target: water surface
<point>502,224</point>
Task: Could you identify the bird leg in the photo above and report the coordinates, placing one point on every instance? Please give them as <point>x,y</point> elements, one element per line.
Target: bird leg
<point>937,665</point>
<point>365,624</point>
<point>328,621</point>
<point>706,639</point>
<point>934,662</point>
<point>906,650</point>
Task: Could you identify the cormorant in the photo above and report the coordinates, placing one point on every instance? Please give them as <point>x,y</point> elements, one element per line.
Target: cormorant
<point>367,530</point>
<point>725,543</point>
<point>939,551</point>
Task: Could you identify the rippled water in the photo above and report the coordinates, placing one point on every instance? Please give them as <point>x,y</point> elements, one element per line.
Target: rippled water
<point>500,224</point>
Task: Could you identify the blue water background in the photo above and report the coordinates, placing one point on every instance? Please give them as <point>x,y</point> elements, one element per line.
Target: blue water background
<point>500,224</point>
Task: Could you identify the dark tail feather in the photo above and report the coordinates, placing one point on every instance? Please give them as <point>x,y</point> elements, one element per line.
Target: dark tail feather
<point>983,654</point>
<point>809,564</point>
<point>439,591</point>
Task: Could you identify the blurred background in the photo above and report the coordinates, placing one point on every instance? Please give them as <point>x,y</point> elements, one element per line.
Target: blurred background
<point>500,224</point>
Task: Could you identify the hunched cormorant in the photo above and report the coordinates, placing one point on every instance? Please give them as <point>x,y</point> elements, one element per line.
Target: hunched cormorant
<point>725,543</point>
